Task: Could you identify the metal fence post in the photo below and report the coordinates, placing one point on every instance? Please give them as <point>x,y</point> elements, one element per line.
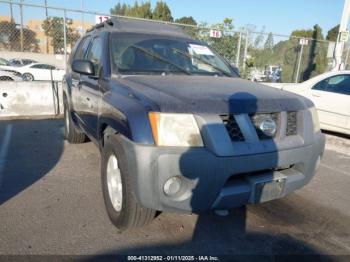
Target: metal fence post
<point>299,62</point>
<point>65,38</point>
<point>21,30</point>
<point>47,38</point>
<point>245,50</point>
<point>238,53</point>
<point>11,11</point>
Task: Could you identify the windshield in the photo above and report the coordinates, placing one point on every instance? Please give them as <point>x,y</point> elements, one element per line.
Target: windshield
<point>150,54</point>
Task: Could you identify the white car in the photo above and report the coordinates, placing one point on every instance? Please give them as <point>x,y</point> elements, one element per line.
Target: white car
<point>10,76</point>
<point>40,71</point>
<point>21,62</point>
<point>330,93</point>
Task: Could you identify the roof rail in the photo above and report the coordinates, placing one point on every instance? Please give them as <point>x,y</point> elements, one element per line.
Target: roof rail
<point>127,24</point>
<point>108,22</point>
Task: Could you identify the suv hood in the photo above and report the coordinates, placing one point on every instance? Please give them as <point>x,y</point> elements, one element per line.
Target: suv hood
<point>221,95</point>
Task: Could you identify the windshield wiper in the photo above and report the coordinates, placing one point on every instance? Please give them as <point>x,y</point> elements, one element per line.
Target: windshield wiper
<point>160,58</point>
<point>202,60</point>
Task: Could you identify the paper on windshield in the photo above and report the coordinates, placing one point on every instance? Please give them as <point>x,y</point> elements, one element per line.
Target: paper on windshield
<point>200,50</point>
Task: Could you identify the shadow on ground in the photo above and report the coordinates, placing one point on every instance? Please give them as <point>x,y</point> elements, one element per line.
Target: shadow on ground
<point>29,150</point>
<point>228,239</point>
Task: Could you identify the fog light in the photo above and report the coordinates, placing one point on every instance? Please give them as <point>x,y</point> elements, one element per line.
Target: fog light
<point>172,186</point>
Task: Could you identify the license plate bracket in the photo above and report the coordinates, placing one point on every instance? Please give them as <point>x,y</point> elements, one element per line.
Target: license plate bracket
<point>267,187</point>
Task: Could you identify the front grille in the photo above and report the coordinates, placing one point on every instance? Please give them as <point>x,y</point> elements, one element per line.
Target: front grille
<point>292,127</point>
<point>255,120</point>
<point>232,127</point>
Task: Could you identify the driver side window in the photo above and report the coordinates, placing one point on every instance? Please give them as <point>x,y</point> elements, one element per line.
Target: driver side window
<point>94,54</point>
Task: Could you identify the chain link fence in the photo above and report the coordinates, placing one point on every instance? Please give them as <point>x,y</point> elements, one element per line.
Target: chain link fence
<point>48,34</point>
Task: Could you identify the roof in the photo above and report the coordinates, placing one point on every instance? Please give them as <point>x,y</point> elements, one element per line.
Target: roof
<point>141,26</point>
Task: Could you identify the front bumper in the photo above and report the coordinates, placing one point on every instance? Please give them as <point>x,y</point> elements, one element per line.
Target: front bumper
<point>215,182</point>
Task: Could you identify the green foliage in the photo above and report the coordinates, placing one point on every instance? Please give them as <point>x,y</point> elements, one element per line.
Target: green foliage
<point>10,38</point>
<point>54,28</point>
<point>225,46</point>
<point>142,10</point>
<point>269,42</point>
<point>303,33</point>
<point>162,12</point>
<point>187,20</point>
<point>119,9</point>
<point>332,34</point>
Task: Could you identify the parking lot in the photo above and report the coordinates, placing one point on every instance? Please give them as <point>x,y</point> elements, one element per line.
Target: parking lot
<point>51,203</point>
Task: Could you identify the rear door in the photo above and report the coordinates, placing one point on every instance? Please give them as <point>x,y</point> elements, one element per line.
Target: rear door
<point>332,99</point>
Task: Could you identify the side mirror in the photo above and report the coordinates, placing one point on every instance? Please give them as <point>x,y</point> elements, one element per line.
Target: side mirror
<point>84,67</point>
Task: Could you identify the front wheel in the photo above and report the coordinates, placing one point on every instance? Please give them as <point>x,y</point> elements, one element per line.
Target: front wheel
<point>28,77</point>
<point>122,207</point>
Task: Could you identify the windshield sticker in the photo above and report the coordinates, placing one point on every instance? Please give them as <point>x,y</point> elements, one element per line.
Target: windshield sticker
<point>200,50</point>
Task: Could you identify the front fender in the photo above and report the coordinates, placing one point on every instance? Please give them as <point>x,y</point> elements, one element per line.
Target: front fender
<point>127,116</point>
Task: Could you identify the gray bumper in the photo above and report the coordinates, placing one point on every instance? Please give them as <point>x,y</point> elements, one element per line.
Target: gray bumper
<point>210,181</point>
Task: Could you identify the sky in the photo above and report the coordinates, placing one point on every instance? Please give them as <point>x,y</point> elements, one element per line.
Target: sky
<point>277,16</point>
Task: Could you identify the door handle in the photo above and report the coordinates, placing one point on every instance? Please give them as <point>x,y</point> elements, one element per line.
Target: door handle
<point>316,95</point>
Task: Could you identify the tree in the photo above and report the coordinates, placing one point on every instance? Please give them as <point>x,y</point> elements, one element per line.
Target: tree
<point>317,55</point>
<point>269,42</point>
<point>162,12</point>
<point>142,10</point>
<point>226,46</point>
<point>187,20</point>
<point>119,9</point>
<point>332,34</point>
<point>54,28</point>
<point>10,37</point>
<point>303,33</point>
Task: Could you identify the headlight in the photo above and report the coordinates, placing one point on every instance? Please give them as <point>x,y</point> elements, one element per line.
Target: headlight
<point>175,130</point>
<point>315,121</point>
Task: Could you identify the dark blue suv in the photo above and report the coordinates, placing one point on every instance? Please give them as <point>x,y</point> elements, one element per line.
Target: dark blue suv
<point>177,128</point>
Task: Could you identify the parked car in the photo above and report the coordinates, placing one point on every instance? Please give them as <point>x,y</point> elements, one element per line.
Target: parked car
<point>21,62</point>
<point>39,71</point>
<point>3,62</point>
<point>10,76</point>
<point>330,93</point>
<point>177,129</point>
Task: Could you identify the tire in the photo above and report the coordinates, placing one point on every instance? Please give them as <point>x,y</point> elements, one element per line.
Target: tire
<point>71,133</point>
<point>28,77</point>
<point>6,78</point>
<point>128,213</point>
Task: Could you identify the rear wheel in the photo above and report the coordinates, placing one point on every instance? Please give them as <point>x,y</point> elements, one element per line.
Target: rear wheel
<point>71,133</point>
<point>28,77</point>
<point>122,207</point>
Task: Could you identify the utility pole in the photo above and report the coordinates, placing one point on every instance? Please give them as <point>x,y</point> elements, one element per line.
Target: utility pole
<point>82,17</point>
<point>245,49</point>
<point>47,38</point>
<point>299,62</point>
<point>238,53</point>
<point>21,29</point>
<point>339,47</point>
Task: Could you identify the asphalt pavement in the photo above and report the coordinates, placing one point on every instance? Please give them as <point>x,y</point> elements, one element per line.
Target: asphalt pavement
<point>51,204</point>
